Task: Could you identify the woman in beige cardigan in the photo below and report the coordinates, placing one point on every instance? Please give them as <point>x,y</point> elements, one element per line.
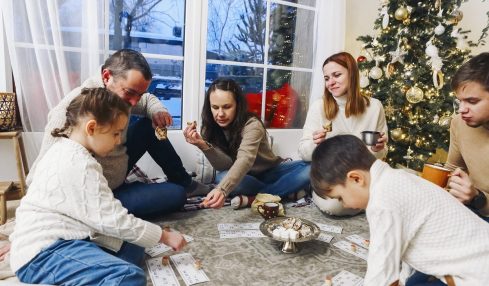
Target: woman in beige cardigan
<point>236,144</point>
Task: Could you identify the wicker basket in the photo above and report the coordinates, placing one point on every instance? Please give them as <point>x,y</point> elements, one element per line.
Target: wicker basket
<point>7,111</point>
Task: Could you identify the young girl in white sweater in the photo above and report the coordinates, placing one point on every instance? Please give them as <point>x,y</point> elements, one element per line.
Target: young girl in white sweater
<point>411,220</point>
<point>341,110</point>
<point>70,230</point>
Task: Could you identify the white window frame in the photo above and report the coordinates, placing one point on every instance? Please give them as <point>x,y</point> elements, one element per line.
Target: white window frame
<point>203,19</point>
<point>5,65</point>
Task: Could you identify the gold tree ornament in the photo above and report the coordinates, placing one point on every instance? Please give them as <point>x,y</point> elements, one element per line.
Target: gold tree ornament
<point>444,121</point>
<point>397,134</point>
<point>455,17</point>
<point>414,94</point>
<point>401,13</point>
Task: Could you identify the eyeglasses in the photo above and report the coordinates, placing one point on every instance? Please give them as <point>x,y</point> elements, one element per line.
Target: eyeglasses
<point>132,93</point>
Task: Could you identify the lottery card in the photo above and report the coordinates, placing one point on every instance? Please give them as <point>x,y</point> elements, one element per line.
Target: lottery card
<point>162,248</point>
<point>185,264</point>
<point>355,238</point>
<point>250,233</point>
<point>345,278</point>
<point>352,249</point>
<point>160,274</point>
<point>325,237</point>
<point>236,226</point>
<point>329,228</point>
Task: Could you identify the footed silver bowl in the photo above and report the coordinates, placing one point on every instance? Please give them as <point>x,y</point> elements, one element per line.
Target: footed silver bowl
<point>288,245</point>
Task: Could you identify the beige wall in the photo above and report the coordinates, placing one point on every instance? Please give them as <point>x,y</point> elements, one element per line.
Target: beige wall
<point>361,15</point>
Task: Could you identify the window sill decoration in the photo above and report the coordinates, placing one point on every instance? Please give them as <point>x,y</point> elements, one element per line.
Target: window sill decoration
<point>7,111</point>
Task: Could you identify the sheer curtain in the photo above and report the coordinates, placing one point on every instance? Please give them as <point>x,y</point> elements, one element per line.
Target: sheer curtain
<point>330,39</point>
<point>53,46</point>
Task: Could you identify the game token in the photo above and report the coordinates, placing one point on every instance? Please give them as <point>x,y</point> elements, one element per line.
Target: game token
<point>198,264</point>
<point>165,260</point>
<point>328,281</point>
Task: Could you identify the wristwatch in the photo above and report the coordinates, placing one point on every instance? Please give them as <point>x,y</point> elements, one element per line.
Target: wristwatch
<point>479,201</point>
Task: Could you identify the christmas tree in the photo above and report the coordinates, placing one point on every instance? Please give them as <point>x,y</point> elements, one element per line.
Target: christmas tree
<point>408,66</point>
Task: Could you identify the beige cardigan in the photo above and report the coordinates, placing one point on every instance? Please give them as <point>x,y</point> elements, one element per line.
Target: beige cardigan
<point>254,156</point>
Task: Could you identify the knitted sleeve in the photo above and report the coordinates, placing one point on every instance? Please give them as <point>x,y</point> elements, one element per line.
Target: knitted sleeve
<point>148,105</point>
<point>314,121</point>
<point>384,257</point>
<point>84,195</point>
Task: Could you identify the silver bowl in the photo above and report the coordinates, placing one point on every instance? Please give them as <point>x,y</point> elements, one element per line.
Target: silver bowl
<point>288,245</point>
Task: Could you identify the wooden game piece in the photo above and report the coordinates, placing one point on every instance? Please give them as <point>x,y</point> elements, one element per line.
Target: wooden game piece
<point>198,264</point>
<point>165,260</point>
<point>328,281</point>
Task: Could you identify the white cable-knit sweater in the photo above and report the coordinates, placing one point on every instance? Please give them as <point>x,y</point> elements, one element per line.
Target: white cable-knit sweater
<point>69,199</point>
<point>419,223</point>
<point>373,119</point>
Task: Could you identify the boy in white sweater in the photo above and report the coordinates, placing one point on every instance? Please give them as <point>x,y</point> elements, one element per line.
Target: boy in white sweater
<point>70,229</point>
<point>411,220</point>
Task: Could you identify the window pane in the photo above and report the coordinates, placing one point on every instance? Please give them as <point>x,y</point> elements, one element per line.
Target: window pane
<point>311,3</point>
<point>291,36</point>
<point>287,98</point>
<point>167,86</point>
<point>250,79</point>
<point>236,30</point>
<point>146,27</point>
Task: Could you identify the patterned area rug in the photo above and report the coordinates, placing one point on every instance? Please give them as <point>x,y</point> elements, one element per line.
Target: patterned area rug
<point>259,261</point>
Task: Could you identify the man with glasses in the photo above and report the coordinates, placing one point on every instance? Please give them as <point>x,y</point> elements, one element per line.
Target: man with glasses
<point>127,73</point>
<point>469,136</point>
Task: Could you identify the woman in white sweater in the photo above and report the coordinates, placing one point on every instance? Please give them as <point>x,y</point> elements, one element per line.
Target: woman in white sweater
<point>70,230</point>
<point>341,110</point>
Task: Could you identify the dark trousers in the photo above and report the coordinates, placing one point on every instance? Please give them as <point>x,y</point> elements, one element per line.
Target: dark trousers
<point>152,200</point>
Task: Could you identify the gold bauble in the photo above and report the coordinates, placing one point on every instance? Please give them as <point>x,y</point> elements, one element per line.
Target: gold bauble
<point>456,16</point>
<point>444,121</point>
<point>396,134</point>
<point>414,94</point>
<point>401,13</point>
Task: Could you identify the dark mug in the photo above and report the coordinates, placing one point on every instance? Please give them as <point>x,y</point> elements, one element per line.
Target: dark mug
<point>268,210</point>
<point>370,138</point>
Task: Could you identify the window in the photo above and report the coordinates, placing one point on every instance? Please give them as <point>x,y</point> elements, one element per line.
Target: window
<point>154,28</point>
<point>266,47</point>
<point>263,45</point>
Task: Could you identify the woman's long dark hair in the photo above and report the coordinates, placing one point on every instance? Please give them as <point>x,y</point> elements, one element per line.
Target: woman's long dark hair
<point>211,131</point>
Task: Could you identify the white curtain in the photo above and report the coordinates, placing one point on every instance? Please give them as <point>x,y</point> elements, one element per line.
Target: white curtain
<point>53,46</point>
<point>330,39</point>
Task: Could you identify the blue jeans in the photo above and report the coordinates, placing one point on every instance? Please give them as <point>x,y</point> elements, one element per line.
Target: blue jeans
<point>421,279</point>
<point>81,262</point>
<point>281,180</point>
<point>151,200</point>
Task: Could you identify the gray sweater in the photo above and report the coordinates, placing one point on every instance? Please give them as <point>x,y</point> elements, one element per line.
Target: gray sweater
<point>115,164</point>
